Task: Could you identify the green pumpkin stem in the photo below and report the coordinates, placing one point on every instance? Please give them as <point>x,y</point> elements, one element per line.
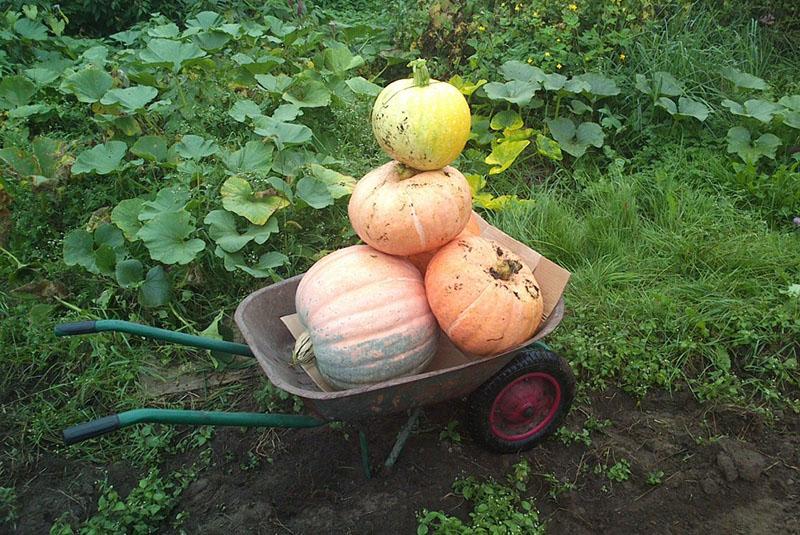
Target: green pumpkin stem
<point>421,75</point>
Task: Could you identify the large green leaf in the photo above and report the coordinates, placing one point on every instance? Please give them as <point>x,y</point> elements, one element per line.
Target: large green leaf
<point>261,66</point>
<point>338,59</point>
<point>314,192</point>
<point>686,107</point>
<point>101,159</point>
<point>504,154</point>
<point>151,148</point>
<point>125,215</point>
<point>761,110</point>
<point>166,237</point>
<point>130,99</point>
<point>522,72</point>
<point>362,86</point>
<point>41,75</point>
<point>338,184</point>
<point>254,157</point>
<point>548,148</point>
<point>195,147</point>
<point>574,140</point>
<point>88,85</point>
<point>305,93</point>
<point>274,84</point>
<point>790,101</point>
<point>282,133</point>
<point>740,142</point>
<point>263,267</point>
<point>15,91</point>
<point>257,207</point>
<point>167,200</point>
<point>170,53</point>
<point>129,273</point>
<point>554,81</point>
<point>79,250</point>
<point>212,40</point>
<point>506,120</point>
<point>662,83</point>
<point>600,85</point>
<point>98,252</point>
<point>155,290</point>
<point>31,29</point>
<point>743,79</point>
<point>467,88</point>
<point>222,229</point>
<point>516,92</point>
<point>244,109</point>
<point>22,112</point>
<point>165,31</point>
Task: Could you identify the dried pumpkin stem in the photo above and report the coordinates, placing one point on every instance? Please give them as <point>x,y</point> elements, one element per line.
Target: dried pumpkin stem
<point>505,269</point>
<point>404,171</point>
<point>421,75</point>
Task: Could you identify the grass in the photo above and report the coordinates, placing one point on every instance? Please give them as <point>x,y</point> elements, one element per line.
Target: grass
<point>672,284</point>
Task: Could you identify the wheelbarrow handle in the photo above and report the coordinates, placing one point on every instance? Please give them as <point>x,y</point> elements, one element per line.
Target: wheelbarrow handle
<point>90,327</point>
<point>101,426</point>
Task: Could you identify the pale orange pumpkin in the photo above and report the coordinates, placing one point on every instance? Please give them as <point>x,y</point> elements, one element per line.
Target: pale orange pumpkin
<point>401,211</point>
<point>484,297</point>
<point>367,317</point>
<point>422,260</point>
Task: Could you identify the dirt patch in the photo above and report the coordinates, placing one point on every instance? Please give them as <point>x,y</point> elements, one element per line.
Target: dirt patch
<point>721,471</point>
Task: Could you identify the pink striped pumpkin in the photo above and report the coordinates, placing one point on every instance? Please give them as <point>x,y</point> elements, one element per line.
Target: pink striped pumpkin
<point>367,316</point>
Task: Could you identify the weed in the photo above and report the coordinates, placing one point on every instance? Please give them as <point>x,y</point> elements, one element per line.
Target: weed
<point>557,486</point>
<point>619,471</point>
<point>655,478</point>
<point>8,505</point>
<point>450,434</point>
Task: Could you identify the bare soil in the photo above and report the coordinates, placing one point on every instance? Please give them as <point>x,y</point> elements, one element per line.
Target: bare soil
<point>725,471</point>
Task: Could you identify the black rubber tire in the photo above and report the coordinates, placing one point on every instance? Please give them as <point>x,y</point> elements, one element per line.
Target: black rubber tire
<point>480,402</point>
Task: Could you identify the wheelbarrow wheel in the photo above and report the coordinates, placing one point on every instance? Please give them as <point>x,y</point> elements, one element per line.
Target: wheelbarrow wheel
<point>523,403</point>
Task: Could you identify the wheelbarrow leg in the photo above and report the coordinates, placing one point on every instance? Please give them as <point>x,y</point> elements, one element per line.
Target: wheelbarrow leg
<point>362,441</point>
<point>402,437</point>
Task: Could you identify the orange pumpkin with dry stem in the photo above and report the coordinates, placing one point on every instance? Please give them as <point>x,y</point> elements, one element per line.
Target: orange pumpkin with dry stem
<point>401,211</point>
<point>484,297</point>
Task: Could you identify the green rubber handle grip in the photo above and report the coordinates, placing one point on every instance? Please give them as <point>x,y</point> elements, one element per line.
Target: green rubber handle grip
<point>76,327</point>
<point>87,430</point>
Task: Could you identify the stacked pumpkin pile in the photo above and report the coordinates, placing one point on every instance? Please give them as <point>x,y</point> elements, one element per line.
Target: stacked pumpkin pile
<point>373,312</point>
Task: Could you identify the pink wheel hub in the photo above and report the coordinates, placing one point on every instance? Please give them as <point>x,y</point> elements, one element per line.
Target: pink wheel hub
<point>525,406</point>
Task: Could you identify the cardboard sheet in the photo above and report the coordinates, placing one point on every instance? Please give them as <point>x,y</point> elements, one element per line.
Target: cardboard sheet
<point>551,277</point>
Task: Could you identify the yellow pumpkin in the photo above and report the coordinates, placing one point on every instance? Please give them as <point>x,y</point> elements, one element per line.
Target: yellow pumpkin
<point>421,122</point>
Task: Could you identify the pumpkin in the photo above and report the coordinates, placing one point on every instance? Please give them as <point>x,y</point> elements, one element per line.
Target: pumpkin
<point>402,212</point>
<point>484,297</point>
<point>421,260</point>
<point>421,122</point>
<point>367,317</point>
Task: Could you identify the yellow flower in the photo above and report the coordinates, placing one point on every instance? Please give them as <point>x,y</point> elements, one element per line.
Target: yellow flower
<point>535,13</point>
<point>547,54</point>
<point>481,28</point>
<point>530,60</point>
<point>558,40</point>
<point>517,7</point>
<point>622,57</point>
<point>573,7</point>
<point>558,65</point>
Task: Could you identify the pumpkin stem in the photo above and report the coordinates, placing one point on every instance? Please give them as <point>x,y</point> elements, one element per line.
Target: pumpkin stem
<point>421,75</point>
<point>505,269</point>
<point>405,171</point>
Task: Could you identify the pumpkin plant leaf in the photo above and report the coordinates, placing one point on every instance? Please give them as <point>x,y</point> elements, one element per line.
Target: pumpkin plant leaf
<point>167,200</point>
<point>314,192</point>
<point>668,104</point>
<point>151,148</point>
<point>548,148</point>
<point>790,101</point>
<point>306,93</point>
<point>506,120</point>
<point>515,70</point>
<point>254,157</point>
<point>554,81</point>
<point>574,140</point>
<point>28,110</point>
<point>244,109</point>
<point>504,154</point>
<point>79,250</point>
<point>689,107</point>
<point>466,88</point>
<point>274,84</point>
<point>257,207</point>
<point>282,133</point>
<point>125,216</point>
<point>130,99</point>
<point>155,290</point>
<point>361,86</point>
<point>15,91</point>
<point>286,113</point>
<point>761,110</point>
<point>41,75</point>
<point>599,85</point>
<point>101,159</point>
<point>222,229</point>
<point>338,59</point>
<point>266,263</point>
<point>740,142</point>
<point>262,65</point>
<point>166,237</point>
<point>338,185</point>
<point>516,92</point>
<point>195,147</point>
<point>129,273</point>
<point>88,85</point>
<point>743,79</point>
<point>31,29</point>
<point>170,53</point>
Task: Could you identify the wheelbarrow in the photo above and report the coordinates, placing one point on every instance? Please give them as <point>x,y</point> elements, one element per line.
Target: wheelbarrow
<point>515,399</point>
